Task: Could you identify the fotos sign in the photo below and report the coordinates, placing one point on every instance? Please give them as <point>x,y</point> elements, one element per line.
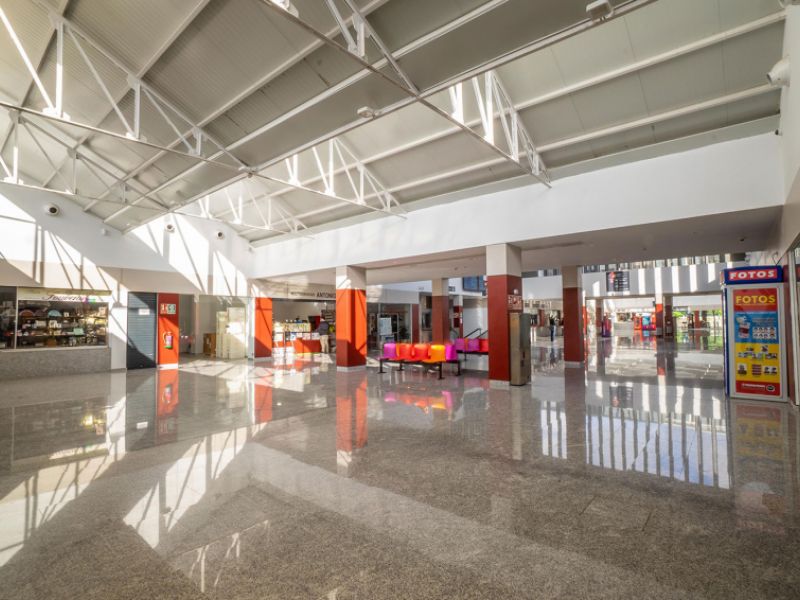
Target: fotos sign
<point>756,359</point>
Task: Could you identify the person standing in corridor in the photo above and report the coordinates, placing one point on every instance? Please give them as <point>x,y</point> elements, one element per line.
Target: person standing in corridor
<point>324,329</point>
<point>552,328</point>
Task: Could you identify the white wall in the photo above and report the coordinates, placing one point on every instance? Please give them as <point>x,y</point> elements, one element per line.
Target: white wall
<point>643,282</point>
<point>727,177</point>
<point>475,315</point>
<point>70,251</point>
<point>388,295</point>
<point>790,130</point>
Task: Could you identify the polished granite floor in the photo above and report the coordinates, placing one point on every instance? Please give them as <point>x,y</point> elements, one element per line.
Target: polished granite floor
<point>631,478</point>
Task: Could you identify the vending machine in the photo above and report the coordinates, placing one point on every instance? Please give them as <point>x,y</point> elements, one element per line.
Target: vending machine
<point>755,351</point>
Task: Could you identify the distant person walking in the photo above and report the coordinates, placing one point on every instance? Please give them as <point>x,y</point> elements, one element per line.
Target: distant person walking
<point>324,329</point>
<point>552,328</point>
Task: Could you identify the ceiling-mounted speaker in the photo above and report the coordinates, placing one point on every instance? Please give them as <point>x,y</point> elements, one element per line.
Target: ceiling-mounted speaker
<point>600,10</point>
<point>780,74</point>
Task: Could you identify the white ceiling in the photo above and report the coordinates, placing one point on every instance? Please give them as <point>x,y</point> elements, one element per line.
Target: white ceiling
<point>269,91</point>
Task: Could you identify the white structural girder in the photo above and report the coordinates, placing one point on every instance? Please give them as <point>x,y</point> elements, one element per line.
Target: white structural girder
<point>142,92</point>
<point>495,105</point>
<point>66,173</point>
<point>237,206</point>
<point>532,163</point>
<point>626,7</point>
<point>363,30</point>
<point>330,160</point>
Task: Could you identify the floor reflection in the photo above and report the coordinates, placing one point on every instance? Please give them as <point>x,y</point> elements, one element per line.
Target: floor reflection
<point>635,471</point>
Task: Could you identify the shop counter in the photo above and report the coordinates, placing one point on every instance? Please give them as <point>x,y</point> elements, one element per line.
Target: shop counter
<point>45,362</point>
<point>307,346</point>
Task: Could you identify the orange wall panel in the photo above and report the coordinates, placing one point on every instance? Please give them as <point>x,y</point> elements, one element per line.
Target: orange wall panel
<point>263,328</point>
<point>168,330</point>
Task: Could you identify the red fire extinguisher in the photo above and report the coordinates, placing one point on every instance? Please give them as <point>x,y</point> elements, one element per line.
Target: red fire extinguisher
<point>168,338</point>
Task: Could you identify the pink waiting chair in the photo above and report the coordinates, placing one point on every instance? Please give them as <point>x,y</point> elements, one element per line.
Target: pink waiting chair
<point>389,351</point>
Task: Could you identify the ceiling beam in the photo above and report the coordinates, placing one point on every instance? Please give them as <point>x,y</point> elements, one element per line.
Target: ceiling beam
<point>283,67</point>
<point>407,87</point>
<point>661,117</point>
<point>587,83</point>
<point>626,7</point>
<point>24,98</point>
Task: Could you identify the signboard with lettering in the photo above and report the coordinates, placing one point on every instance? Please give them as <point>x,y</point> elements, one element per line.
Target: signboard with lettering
<point>60,295</point>
<point>754,347</point>
<point>753,275</point>
<point>287,291</point>
<point>167,309</point>
<point>618,281</point>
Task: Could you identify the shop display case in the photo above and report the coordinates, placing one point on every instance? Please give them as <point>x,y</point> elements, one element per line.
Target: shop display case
<point>8,317</point>
<point>53,318</point>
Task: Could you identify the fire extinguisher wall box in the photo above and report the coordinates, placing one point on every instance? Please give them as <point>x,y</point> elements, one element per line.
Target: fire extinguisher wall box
<point>168,331</point>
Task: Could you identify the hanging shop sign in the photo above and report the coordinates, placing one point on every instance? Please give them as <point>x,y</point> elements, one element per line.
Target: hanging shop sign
<point>755,351</point>
<point>285,291</point>
<point>51,295</point>
<point>618,281</point>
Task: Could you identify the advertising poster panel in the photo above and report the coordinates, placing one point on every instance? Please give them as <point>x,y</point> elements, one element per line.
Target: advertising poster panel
<point>757,342</point>
<point>755,359</point>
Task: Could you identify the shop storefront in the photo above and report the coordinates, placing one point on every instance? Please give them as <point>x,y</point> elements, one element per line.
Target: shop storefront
<point>50,321</point>
<point>46,318</point>
<point>214,326</point>
<point>297,318</point>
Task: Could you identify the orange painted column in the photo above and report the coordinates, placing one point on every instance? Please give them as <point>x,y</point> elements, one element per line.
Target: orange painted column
<point>598,317</point>
<point>351,318</point>
<point>351,418</point>
<point>659,308</point>
<point>440,311</point>
<point>168,331</point>
<point>572,298</point>
<point>504,296</point>
<point>263,328</point>
<point>262,399</point>
<point>167,401</point>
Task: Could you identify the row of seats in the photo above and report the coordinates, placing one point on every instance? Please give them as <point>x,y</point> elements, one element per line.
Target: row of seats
<point>472,345</point>
<point>427,353</point>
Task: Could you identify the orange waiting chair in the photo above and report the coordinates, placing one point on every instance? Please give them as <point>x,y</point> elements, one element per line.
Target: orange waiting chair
<point>421,352</point>
<point>436,357</point>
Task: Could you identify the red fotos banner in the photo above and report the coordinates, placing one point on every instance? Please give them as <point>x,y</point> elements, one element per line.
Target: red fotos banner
<point>756,300</point>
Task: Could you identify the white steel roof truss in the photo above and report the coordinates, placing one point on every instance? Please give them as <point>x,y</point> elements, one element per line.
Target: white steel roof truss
<point>409,87</point>
<point>74,157</point>
<point>64,28</point>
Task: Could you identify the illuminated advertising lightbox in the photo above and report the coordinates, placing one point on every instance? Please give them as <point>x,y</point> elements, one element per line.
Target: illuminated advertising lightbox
<point>757,341</point>
<point>755,352</point>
